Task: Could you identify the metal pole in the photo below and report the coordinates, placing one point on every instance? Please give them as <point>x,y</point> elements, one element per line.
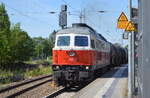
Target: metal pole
<point>130,59</point>
<point>81,16</point>
<point>129,67</point>
<point>133,64</point>
<point>132,53</point>
<point>84,20</point>
<point>130,7</point>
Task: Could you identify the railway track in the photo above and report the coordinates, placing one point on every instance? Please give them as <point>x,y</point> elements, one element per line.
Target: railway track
<point>70,91</point>
<point>32,88</point>
<point>65,92</point>
<point>22,87</point>
<point>62,93</point>
<point>56,93</point>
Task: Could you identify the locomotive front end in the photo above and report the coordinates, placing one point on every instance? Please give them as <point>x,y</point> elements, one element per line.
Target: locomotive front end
<point>72,58</point>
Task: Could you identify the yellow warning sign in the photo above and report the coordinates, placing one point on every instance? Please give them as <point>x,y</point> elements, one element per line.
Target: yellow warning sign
<point>122,21</point>
<point>130,27</point>
<point>122,17</point>
<point>122,24</point>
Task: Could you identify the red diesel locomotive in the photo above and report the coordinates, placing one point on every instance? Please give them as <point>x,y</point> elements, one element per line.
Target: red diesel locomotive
<point>78,52</point>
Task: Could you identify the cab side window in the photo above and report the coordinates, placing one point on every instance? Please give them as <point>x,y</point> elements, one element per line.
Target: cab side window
<point>92,43</point>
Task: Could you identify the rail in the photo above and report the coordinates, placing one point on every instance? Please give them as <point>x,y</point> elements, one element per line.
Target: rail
<point>25,83</point>
<point>56,93</point>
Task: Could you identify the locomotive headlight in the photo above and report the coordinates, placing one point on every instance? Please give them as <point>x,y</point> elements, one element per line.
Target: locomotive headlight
<point>71,53</point>
<point>87,67</point>
<point>57,67</point>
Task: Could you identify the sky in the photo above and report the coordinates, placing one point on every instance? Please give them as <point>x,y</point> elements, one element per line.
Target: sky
<point>35,18</point>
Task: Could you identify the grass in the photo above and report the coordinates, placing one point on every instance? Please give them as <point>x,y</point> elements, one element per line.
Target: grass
<point>18,73</point>
<point>38,71</point>
<point>39,61</point>
<point>4,76</point>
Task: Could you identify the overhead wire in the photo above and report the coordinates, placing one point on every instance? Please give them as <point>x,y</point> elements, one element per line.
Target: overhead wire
<point>107,27</point>
<point>124,8</point>
<point>91,21</point>
<point>37,4</point>
<point>22,14</point>
<point>110,37</point>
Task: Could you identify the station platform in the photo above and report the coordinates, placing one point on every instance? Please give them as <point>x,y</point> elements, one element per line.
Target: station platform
<point>113,84</point>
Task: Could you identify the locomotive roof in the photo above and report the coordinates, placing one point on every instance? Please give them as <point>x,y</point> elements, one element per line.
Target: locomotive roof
<point>81,28</point>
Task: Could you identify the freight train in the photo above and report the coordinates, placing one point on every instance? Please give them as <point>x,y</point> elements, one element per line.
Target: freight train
<point>80,52</point>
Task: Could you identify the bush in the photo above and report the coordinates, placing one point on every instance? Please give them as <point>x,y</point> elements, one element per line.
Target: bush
<point>38,71</point>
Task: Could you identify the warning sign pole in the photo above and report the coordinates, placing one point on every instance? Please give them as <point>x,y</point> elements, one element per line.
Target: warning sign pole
<point>128,26</point>
<point>131,66</point>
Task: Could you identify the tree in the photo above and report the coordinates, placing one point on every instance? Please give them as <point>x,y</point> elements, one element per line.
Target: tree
<point>117,44</point>
<point>38,47</point>
<point>126,46</point>
<point>47,48</point>
<point>52,38</point>
<point>21,44</point>
<point>4,35</point>
<point>42,47</point>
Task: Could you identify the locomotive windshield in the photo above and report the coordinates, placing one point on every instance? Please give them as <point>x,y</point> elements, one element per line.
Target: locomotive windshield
<point>63,41</point>
<point>81,41</point>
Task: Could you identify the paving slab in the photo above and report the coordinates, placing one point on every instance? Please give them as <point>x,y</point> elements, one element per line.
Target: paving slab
<point>113,84</point>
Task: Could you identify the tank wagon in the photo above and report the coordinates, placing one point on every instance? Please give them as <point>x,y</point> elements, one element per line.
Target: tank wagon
<point>79,52</point>
<point>118,55</point>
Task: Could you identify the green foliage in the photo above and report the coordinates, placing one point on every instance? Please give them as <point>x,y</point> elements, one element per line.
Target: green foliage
<point>52,41</point>
<point>117,44</point>
<point>4,35</point>
<point>44,61</point>
<point>38,46</point>
<point>17,46</point>
<point>43,47</point>
<point>21,44</point>
<point>126,46</point>
<point>7,77</point>
<point>38,71</point>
